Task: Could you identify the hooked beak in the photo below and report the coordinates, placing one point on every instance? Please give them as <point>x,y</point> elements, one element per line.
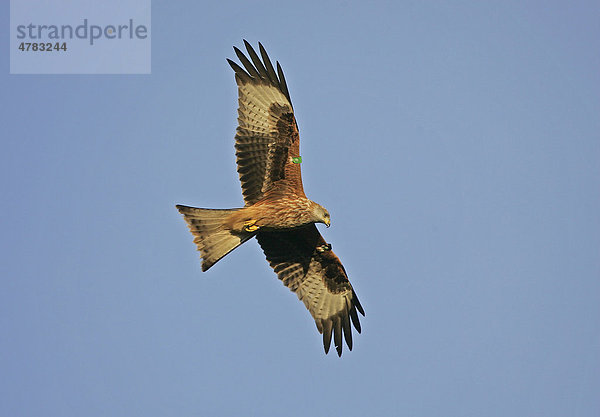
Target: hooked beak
<point>327,222</point>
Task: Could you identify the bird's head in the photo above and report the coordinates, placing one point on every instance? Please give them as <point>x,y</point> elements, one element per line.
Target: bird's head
<point>321,215</point>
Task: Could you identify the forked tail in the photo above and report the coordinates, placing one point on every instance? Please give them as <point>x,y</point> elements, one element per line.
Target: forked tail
<point>212,238</point>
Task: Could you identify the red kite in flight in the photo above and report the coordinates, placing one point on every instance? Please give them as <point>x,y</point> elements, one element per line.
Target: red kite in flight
<point>276,209</point>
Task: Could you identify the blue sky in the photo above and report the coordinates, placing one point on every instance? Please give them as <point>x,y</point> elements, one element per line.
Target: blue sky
<point>456,146</point>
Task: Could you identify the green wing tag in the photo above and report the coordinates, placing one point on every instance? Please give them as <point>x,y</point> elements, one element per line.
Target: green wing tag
<point>297,160</point>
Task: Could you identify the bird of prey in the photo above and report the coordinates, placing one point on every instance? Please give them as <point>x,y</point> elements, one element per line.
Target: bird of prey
<point>276,210</point>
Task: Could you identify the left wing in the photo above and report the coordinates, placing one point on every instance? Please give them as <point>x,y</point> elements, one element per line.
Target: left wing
<point>307,266</point>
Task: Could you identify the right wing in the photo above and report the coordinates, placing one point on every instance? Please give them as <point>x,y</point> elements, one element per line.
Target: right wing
<point>267,138</point>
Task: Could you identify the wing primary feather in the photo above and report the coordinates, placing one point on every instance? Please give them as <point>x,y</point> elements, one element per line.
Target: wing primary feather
<point>239,71</point>
<point>282,83</point>
<point>357,303</point>
<point>319,324</point>
<point>337,334</point>
<point>354,318</point>
<point>268,65</point>
<point>327,334</point>
<point>347,330</point>
<point>247,64</point>
<point>256,61</point>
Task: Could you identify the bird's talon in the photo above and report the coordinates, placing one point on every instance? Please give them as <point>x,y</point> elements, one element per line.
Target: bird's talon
<point>324,248</point>
<point>250,226</point>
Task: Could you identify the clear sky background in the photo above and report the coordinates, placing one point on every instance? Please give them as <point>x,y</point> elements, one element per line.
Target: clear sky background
<point>456,145</point>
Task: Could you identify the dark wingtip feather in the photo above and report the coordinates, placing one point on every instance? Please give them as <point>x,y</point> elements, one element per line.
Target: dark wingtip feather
<point>357,303</point>
<point>354,318</point>
<point>262,71</point>
<point>327,335</point>
<point>269,66</point>
<point>246,63</point>
<point>337,334</point>
<point>232,64</point>
<point>239,71</point>
<point>282,83</point>
<point>347,330</point>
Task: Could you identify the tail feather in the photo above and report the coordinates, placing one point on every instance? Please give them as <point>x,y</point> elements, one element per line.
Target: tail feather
<point>212,238</point>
